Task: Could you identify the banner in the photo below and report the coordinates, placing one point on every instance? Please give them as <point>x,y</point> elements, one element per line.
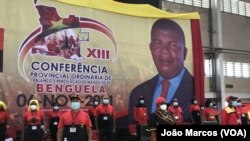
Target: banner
<point>56,48</point>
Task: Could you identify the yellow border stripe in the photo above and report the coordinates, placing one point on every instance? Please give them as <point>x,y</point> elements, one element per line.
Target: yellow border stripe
<point>139,10</point>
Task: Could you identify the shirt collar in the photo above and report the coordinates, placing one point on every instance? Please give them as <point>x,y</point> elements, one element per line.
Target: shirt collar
<point>176,80</point>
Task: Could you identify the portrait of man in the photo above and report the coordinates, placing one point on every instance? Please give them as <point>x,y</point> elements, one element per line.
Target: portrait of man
<point>173,80</point>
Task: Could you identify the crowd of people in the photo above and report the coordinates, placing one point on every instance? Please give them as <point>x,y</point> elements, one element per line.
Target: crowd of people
<point>59,124</point>
<point>66,47</point>
<point>235,113</point>
<point>76,124</point>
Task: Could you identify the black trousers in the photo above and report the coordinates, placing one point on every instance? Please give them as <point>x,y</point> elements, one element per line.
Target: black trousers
<point>106,135</point>
<point>80,133</point>
<point>53,132</point>
<point>3,130</point>
<point>32,134</point>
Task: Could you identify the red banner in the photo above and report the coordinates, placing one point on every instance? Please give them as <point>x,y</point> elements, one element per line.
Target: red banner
<point>1,38</point>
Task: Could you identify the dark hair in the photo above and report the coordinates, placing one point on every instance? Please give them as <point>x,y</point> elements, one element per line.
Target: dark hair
<point>167,24</point>
<point>207,103</point>
<point>141,98</point>
<point>75,97</point>
<point>193,99</point>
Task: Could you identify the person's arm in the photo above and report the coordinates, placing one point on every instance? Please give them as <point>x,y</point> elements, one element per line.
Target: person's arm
<point>96,114</point>
<point>43,122</point>
<point>191,114</point>
<point>113,115</point>
<point>135,114</point>
<point>96,124</point>
<point>223,117</point>
<point>203,115</point>
<point>182,116</point>
<point>89,134</point>
<point>47,121</point>
<point>24,120</point>
<point>59,134</point>
<point>7,119</point>
<point>153,135</point>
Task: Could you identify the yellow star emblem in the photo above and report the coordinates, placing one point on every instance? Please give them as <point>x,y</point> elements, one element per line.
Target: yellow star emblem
<point>58,25</point>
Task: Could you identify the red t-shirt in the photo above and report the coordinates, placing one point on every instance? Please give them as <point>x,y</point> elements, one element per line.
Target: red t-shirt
<point>54,114</point>
<point>30,115</point>
<point>104,109</point>
<point>4,115</point>
<point>177,114</point>
<point>194,107</point>
<point>140,115</point>
<point>74,118</point>
<point>91,110</point>
<point>210,114</point>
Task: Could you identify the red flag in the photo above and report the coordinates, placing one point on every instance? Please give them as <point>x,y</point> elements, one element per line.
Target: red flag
<point>1,38</point>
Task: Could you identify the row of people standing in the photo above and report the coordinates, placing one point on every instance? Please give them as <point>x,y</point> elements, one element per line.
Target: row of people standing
<point>233,114</point>
<point>172,114</point>
<point>70,125</point>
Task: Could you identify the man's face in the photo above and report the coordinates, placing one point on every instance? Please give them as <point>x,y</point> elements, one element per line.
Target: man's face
<point>168,52</point>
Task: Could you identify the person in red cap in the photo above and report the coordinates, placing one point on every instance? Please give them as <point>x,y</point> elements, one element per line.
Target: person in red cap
<point>141,116</point>
<point>176,110</point>
<point>160,117</point>
<point>229,114</point>
<point>74,125</point>
<point>195,111</point>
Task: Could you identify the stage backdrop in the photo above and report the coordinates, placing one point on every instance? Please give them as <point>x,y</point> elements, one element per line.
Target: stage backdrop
<point>55,48</point>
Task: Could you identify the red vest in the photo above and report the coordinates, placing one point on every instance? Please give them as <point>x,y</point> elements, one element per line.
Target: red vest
<point>177,114</point>
<point>140,115</point>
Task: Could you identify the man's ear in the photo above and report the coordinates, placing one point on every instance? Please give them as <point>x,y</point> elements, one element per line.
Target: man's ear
<point>185,53</point>
<point>150,46</point>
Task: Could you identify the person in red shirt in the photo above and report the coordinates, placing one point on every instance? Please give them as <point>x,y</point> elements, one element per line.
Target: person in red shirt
<point>229,114</point>
<point>195,112</point>
<point>209,114</point>
<point>4,118</point>
<point>176,110</point>
<point>33,120</point>
<point>91,112</point>
<point>141,116</point>
<point>74,125</point>
<point>242,112</point>
<point>53,120</point>
<point>105,120</point>
<point>160,117</point>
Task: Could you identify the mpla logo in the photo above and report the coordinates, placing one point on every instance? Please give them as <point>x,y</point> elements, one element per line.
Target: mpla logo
<point>74,39</point>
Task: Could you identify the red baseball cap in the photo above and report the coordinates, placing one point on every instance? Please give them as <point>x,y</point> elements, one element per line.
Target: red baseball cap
<point>229,98</point>
<point>160,100</point>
